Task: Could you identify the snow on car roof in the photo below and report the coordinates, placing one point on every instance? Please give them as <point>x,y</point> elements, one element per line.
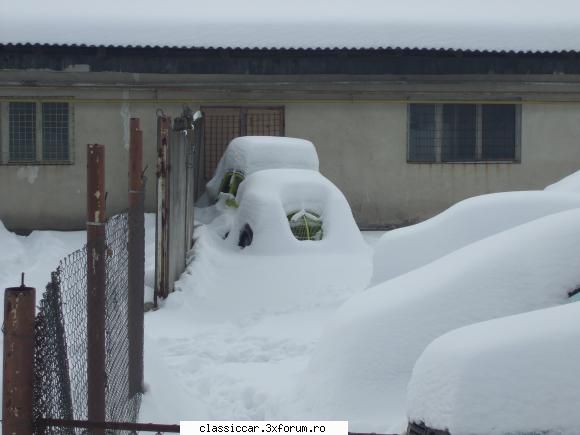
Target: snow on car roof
<point>249,154</point>
<point>569,184</point>
<point>405,249</point>
<point>517,374</point>
<point>493,25</point>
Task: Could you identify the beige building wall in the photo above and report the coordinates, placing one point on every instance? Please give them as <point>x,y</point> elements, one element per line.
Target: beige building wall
<point>362,147</point>
<point>54,196</point>
<point>363,150</point>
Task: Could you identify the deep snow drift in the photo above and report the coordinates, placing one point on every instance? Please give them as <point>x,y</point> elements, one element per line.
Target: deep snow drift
<point>362,364</point>
<point>404,249</point>
<point>232,341</point>
<point>512,375</point>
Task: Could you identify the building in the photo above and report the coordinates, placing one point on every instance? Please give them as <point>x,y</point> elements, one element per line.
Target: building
<point>406,122</point>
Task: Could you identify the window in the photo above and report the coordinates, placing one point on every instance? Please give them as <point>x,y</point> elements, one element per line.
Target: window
<point>38,132</point>
<point>463,133</point>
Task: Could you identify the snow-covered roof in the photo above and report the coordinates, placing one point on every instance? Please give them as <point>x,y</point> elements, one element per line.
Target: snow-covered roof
<point>470,25</point>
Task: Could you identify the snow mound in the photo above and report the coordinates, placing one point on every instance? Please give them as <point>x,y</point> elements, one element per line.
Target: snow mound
<point>363,363</point>
<point>405,249</point>
<point>512,375</point>
<point>266,198</point>
<point>570,184</point>
<point>249,154</point>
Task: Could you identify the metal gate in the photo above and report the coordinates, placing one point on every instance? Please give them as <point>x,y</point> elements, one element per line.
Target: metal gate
<point>175,196</point>
<point>222,124</point>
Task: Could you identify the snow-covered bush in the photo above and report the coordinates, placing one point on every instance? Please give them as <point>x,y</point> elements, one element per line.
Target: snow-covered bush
<point>515,375</point>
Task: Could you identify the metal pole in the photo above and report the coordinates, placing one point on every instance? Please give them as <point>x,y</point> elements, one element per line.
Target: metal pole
<point>162,215</point>
<point>136,252</point>
<point>19,312</point>
<point>96,279</point>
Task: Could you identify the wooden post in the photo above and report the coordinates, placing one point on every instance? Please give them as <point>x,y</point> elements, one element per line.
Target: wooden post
<point>136,252</point>
<point>96,279</point>
<point>19,312</point>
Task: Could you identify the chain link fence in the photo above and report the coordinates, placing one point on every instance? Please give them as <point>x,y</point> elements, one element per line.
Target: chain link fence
<point>60,379</point>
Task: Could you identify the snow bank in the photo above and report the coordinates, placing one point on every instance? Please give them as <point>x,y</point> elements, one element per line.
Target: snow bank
<point>249,154</point>
<point>362,365</point>
<point>512,375</point>
<point>570,184</point>
<point>452,24</point>
<point>405,249</point>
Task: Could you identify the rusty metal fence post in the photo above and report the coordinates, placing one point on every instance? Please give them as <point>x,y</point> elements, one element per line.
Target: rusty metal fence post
<point>136,253</point>
<point>96,279</point>
<point>163,212</point>
<point>19,311</point>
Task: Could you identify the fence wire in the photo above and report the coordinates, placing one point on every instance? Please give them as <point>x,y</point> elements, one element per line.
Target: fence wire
<point>60,381</point>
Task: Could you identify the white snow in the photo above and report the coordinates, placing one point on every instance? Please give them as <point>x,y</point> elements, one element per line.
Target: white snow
<point>362,364</point>
<point>512,375</point>
<point>569,184</point>
<point>457,24</point>
<point>236,336</point>
<point>404,249</point>
<point>249,154</point>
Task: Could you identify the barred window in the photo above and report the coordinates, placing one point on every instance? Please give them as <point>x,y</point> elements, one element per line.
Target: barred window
<point>38,132</point>
<point>463,132</point>
<point>55,131</point>
<point>22,131</point>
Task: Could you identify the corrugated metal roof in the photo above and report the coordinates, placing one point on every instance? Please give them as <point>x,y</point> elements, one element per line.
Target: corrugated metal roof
<point>294,49</point>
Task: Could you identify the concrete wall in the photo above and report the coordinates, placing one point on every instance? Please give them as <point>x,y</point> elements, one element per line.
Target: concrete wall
<point>361,144</point>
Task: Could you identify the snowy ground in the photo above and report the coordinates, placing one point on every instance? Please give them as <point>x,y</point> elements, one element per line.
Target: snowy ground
<point>239,355</point>
<point>245,336</point>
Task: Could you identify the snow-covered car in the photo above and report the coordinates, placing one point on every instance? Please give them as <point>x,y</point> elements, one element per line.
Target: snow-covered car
<point>514,375</point>
<point>405,249</point>
<point>375,338</point>
<point>282,211</point>
<point>248,154</point>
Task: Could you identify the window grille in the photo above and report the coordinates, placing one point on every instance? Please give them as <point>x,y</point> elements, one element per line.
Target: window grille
<point>22,131</point>
<point>463,132</point>
<point>55,131</point>
<point>38,132</point>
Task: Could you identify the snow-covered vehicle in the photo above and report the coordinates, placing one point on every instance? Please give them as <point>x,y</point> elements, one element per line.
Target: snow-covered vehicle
<point>288,231</point>
<point>282,211</point>
<point>376,337</point>
<point>248,154</point>
<point>514,375</point>
<point>405,249</point>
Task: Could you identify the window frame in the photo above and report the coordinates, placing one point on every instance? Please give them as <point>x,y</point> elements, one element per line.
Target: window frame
<point>5,132</point>
<point>438,122</point>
